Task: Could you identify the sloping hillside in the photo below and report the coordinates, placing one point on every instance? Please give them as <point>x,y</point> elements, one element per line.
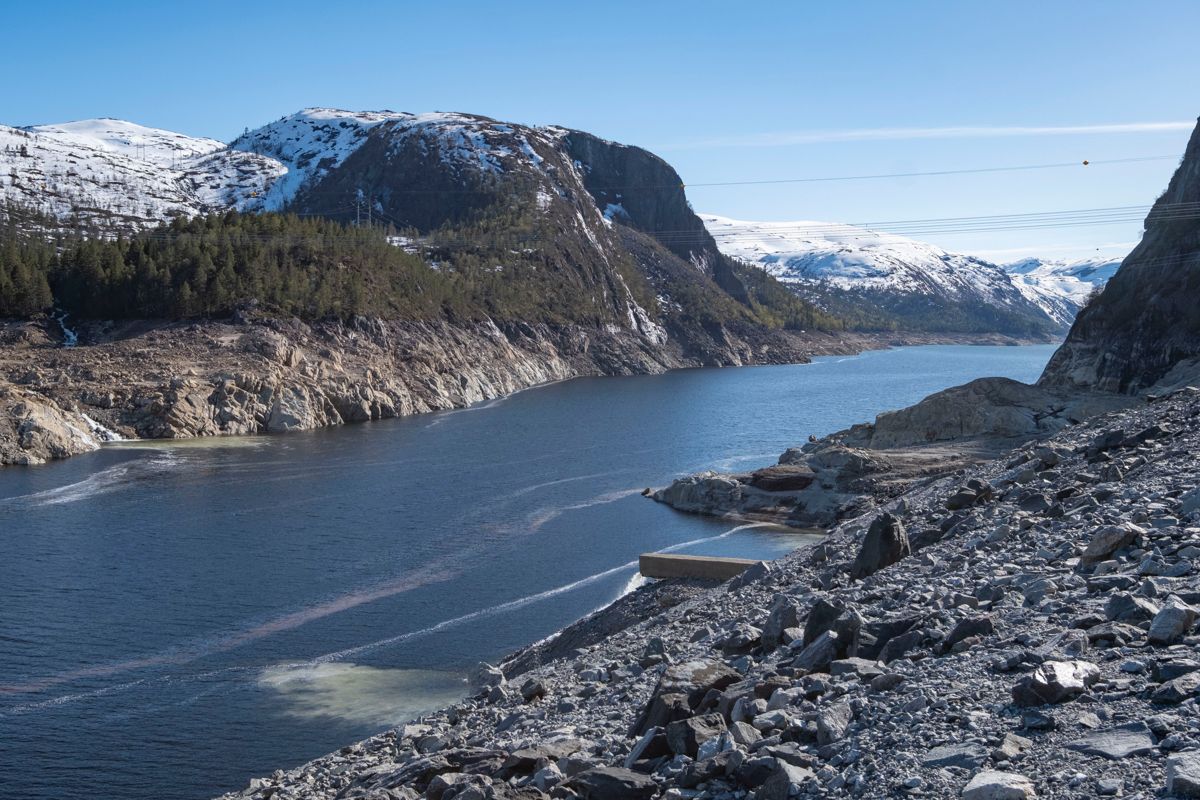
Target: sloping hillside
<point>110,173</point>
<point>1061,288</point>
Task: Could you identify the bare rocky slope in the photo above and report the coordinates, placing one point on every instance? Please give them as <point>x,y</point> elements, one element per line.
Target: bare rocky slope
<point>1146,324</point>
<point>177,380</point>
<point>1024,628</point>
<point>1018,624</point>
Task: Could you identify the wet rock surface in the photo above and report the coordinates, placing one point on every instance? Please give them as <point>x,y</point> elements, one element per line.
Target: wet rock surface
<point>990,660</point>
<point>851,472</point>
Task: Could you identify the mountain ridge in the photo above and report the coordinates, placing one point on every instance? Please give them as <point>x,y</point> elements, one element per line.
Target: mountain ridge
<point>885,279</point>
<point>1062,287</point>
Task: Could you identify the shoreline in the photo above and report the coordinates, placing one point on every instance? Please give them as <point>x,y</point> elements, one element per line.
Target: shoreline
<point>220,379</point>
<point>583,712</point>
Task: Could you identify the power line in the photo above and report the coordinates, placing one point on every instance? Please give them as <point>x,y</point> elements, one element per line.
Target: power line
<point>1083,164</point>
<point>970,171</point>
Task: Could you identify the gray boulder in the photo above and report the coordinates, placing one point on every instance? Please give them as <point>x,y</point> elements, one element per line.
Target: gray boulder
<point>1123,741</point>
<point>784,615</point>
<point>832,722</point>
<point>1108,540</point>
<point>686,735</point>
<point>966,756</point>
<point>818,655</point>
<point>1189,503</point>
<point>992,785</point>
<point>612,783</point>
<point>1171,622</point>
<point>785,779</point>
<point>884,545</point>
<point>1178,690</point>
<point>1183,774</point>
<point>1055,682</point>
<point>1125,607</point>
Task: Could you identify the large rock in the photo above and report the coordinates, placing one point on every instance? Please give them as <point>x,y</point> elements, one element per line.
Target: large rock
<point>783,478</point>
<point>682,687</point>
<point>1183,774</point>
<point>818,655</point>
<point>842,620</point>
<point>1125,607</point>
<point>696,678</point>
<point>686,735</point>
<point>1123,741</point>
<point>982,625</point>
<point>1177,690</point>
<point>1055,682</point>
<point>833,721</point>
<point>1189,502</point>
<point>785,779</point>
<point>785,614</point>
<point>1108,540</point>
<point>1171,622</point>
<point>966,756</point>
<point>884,545</point>
<point>992,785</point>
<point>612,783</point>
<point>34,429</point>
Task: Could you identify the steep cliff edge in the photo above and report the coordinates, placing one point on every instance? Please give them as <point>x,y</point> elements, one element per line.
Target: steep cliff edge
<point>1146,322</point>
<point>1141,336</point>
<point>172,380</point>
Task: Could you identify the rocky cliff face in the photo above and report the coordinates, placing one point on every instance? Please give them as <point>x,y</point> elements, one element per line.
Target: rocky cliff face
<point>264,376</point>
<point>1146,324</point>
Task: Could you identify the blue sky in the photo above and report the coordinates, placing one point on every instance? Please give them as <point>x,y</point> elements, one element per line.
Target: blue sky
<point>725,91</point>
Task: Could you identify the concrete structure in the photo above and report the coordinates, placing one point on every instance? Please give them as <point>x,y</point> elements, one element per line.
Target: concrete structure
<point>671,565</point>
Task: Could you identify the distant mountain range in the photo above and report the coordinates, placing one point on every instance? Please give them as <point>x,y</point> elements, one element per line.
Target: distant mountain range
<point>884,279</point>
<point>1062,288</point>
<point>552,187</point>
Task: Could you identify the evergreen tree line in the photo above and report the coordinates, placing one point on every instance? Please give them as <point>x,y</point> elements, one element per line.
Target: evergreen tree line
<point>209,266</point>
<point>313,267</point>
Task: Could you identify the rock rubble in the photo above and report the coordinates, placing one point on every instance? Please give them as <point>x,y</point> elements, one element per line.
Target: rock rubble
<point>1037,641</point>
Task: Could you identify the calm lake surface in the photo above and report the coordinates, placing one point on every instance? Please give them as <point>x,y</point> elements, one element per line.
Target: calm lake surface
<point>176,619</point>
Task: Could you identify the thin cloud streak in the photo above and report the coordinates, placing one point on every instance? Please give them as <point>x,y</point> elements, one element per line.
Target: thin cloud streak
<point>785,138</point>
<point>1076,251</point>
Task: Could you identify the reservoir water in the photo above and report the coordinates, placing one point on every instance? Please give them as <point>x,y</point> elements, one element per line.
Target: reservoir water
<point>178,618</point>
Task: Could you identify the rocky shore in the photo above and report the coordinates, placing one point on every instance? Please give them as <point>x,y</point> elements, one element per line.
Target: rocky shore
<point>249,376</point>
<point>1005,606</point>
<point>1022,628</point>
<point>850,472</point>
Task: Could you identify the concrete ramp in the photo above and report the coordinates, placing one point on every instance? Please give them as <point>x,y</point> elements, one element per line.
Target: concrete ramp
<point>671,565</point>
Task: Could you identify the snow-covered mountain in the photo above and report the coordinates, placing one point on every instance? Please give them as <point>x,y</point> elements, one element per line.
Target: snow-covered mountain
<point>316,141</point>
<point>1062,288</point>
<point>118,173</point>
<point>486,197</point>
<point>884,278</point>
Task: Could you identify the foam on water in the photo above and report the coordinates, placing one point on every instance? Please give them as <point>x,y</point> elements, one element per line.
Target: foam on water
<point>361,694</point>
<point>107,480</point>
